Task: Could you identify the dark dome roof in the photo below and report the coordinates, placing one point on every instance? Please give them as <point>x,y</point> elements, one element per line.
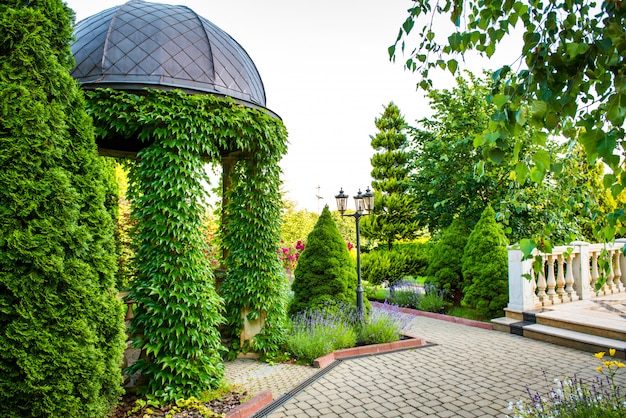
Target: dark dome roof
<point>141,44</point>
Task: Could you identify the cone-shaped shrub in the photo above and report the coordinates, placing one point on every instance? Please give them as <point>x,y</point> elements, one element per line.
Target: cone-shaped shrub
<point>325,273</point>
<point>485,267</point>
<point>445,267</point>
<point>61,326</point>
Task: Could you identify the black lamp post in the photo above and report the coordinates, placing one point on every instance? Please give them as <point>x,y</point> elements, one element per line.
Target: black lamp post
<point>364,204</point>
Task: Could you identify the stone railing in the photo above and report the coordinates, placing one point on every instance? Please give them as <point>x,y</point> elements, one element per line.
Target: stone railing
<point>569,273</point>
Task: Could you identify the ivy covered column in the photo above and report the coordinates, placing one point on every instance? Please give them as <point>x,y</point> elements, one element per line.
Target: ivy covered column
<point>255,286</point>
<point>178,311</point>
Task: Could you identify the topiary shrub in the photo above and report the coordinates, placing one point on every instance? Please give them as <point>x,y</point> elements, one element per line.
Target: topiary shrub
<point>325,273</point>
<point>446,260</point>
<point>485,267</point>
<point>61,326</point>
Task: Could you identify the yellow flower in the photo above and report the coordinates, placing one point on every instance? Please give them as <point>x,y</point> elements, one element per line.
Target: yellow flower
<point>619,364</point>
<point>599,355</point>
<point>612,351</point>
<point>599,369</point>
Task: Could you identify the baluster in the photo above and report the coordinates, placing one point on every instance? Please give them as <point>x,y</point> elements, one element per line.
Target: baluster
<point>533,285</point>
<point>617,277</point>
<point>594,272</point>
<point>551,281</point>
<point>569,279</point>
<point>541,282</point>
<point>608,284</point>
<point>560,279</point>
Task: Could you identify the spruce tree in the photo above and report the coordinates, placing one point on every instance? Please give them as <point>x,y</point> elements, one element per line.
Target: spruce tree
<point>394,211</point>
<point>325,273</point>
<point>485,267</point>
<point>445,265</point>
<point>61,327</point>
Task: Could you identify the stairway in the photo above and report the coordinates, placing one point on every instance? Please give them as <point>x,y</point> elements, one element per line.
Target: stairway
<point>592,325</point>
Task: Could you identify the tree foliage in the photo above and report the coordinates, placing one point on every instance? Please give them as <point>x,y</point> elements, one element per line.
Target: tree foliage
<point>296,223</point>
<point>571,81</point>
<point>453,179</point>
<point>485,267</point>
<point>394,212</point>
<point>449,177</point>
<point>61,326</point>
<point>445,268</point>
<point>325,274</point>
<point>178,311</point>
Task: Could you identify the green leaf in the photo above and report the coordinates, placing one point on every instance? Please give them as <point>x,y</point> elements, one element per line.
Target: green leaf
<point>542,160</point>
<point>527,246</point>
<point>496,155</point>
<point>452,66</point>
<point>408,24</point>
<point>616,109</point>
<point>500,100</point>
<point>521,172</point>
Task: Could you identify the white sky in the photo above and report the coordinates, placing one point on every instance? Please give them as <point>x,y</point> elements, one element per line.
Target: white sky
<point>326,72</point>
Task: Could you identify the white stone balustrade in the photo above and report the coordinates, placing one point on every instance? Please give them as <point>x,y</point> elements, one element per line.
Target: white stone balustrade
<point>568,273</point>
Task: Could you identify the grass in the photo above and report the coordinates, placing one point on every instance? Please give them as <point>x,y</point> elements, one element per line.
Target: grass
<point>466,312</point>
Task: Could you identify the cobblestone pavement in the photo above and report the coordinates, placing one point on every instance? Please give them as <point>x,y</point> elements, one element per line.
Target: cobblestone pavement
<point>470,372</point>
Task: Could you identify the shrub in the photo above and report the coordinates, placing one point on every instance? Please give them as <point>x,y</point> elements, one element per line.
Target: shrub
<point>433,299</point>
<point>446,265</point>
<point>405,294</point>
<point>383,325</point>
<point>317,332</point>
<point>485,267</point>
<point>62,334</point>
<point>325,272</point>
<point>381,265</point>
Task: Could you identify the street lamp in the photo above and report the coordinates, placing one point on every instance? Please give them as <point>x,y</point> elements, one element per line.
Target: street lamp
<point>364,204</point>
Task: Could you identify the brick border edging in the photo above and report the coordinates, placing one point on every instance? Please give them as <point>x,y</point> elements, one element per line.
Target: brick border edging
<point>413,342</point>
<point>442,317</point>
<point>250,407</point>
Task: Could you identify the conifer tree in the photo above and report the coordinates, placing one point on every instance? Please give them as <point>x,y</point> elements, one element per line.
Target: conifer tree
<point>394,210</point>
<point>325,274</point>
<point>445,266</point>
<point>485,267</point>
<point>61,327</point>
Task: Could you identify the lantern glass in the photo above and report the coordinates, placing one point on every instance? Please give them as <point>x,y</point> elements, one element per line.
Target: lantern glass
<point>342,201</point>
<point>368,199</point>
<point>359,203</point>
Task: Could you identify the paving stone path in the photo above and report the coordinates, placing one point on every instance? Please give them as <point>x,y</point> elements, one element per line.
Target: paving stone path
<point>470,372</point>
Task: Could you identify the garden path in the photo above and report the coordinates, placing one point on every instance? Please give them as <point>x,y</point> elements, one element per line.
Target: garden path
<point>470,372</point>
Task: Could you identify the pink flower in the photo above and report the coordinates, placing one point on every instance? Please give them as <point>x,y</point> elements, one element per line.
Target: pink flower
<point>350,246</point>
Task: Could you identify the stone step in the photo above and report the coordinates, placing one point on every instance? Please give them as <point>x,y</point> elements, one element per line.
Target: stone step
<point>578,322</point>
<point>574,339</point>
<point>564,337</point>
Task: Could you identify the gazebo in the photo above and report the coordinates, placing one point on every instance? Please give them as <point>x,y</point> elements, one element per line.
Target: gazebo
<point>153,57</point>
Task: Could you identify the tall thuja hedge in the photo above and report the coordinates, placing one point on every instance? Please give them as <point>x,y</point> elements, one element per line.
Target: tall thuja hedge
<point>326,273</point>
<point>445,268</point>
<point>61,325</point>
<point>485,267</point>
<point>178,311</point>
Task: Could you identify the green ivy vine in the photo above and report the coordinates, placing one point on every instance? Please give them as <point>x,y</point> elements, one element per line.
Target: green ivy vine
<point>178,310</point>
